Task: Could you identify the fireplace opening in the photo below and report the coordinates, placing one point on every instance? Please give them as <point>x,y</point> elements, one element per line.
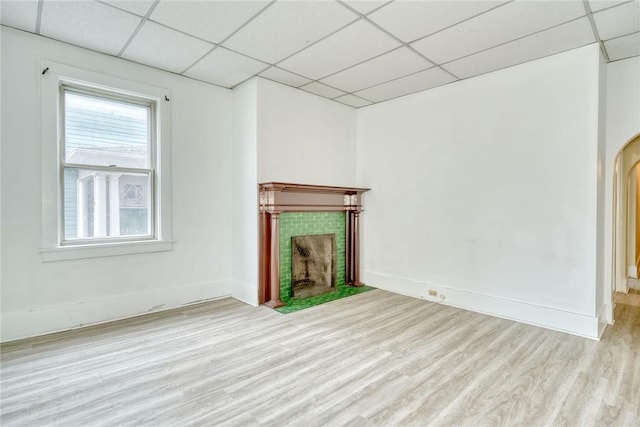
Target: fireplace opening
<point>313,265</point>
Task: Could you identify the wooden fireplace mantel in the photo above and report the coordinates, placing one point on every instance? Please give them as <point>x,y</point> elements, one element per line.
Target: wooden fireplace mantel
<point>278,197</point>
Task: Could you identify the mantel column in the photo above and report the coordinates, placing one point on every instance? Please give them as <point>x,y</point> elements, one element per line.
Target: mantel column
<point>355,248</point>
<point>274,268</point>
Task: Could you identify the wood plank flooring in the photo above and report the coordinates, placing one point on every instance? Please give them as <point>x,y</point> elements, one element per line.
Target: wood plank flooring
<point>374,359</point>
<point>630,298</point>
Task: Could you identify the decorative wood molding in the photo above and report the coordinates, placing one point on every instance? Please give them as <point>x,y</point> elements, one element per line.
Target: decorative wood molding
<point>278,197</point>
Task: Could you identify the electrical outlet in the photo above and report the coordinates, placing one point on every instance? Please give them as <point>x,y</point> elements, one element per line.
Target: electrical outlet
<point>433,293</point>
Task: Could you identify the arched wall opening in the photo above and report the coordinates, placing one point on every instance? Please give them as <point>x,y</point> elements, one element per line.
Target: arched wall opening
<point>625,236</point>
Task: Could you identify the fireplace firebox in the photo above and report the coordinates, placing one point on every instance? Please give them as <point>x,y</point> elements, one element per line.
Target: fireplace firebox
<point>313,265</point>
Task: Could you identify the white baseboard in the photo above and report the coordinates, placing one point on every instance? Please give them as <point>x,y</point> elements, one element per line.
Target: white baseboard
<point>64,317</point>
<point>632,271</point>
<point>532,314</point>
<point>245,292</point>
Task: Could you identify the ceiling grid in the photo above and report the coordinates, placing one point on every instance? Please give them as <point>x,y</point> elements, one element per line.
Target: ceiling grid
<point>356,52</point>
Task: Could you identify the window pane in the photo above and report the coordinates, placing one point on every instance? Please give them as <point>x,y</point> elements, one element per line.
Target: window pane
<point>105,132</point>
<point>99,204</point>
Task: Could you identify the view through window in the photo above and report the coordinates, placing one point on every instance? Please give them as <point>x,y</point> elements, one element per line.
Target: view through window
<point>108,169</point>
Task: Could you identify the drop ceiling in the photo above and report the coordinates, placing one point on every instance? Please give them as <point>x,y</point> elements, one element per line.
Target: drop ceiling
<point>354,52</point>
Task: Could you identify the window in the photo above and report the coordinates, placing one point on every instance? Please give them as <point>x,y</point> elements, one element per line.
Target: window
<point>106,168</point>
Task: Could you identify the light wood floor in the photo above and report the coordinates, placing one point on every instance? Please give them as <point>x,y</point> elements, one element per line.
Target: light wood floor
<point>372,359</point>
<point>630,298</point>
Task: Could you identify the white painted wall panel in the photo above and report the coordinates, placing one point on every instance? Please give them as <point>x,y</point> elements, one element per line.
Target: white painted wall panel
<point>489,187</point>
<point>303,138</point>
<point>44,297</point>
<point>245,192</point>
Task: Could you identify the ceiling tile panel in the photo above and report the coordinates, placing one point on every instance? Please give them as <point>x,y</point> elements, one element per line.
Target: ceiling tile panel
<point>21,14</point>
<point>568,36</point>
<point>389,66</point>
<point>88,24</point>
<point>322,90</point>
<point>603,4</point>
<point>285,77</point>
<point>164,48</point>
<point>354,44</point>
<point>139,7</point>
<point>414,83</point>
<point>210,20</point>
<point>623,47</point>
<point>500,25</point>
<point>286,27</point>
<point>410,20</point>
<point>366,6</point>
<point>618,21</point>
<point>353,101</point>
<point>225,68</point>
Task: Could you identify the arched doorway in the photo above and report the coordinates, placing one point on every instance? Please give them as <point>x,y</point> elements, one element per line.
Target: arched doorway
<point>625,260</point>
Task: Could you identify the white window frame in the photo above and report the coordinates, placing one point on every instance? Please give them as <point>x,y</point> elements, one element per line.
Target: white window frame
<point>54,247</point>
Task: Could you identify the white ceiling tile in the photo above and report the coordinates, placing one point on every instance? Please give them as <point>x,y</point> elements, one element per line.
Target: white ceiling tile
<point>225,68</point>
<point>618,21</point>
<point>210,20</point>
<point>164,48</point>
<point>603,4</point>
<point>623,47</point>
<point>564,37</point>
<point>414,83</point>
<point>353,101</point>
<point>500,25</point>
<point>410,20</point>
<point>285,77</point>
<point>389,66</point>
<point>139,7</point>
<point>322,90</point>
<point>366,6</point>
<point>21,14</point>
<point>286,27</point>
<point>88,24</point>
<point>356,43</point>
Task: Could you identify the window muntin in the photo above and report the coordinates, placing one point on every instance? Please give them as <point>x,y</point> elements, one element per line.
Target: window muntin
<point>108,167</point>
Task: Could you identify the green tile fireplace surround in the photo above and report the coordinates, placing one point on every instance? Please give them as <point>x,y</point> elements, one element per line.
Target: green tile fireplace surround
<point>309,223</point>
<point>288,210</point>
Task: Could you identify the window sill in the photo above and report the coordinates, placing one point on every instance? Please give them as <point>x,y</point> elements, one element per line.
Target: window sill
<point>64,253</point>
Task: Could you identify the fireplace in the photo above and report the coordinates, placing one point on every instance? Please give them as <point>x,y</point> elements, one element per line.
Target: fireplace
<point>313,265</point>
<point>322,210</point>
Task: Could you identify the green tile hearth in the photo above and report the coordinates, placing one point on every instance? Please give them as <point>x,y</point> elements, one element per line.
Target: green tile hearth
<point>293,305</point>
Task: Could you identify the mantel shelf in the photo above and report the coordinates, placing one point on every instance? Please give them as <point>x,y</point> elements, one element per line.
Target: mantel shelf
<point>287,197</point>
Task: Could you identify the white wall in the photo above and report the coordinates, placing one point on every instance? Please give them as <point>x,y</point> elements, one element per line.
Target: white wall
<point>245,193</point>
<point>602,304</point>
<point>623,104</point>
<point>42,297</point>
<point>303,138</point>
<point>486,191</point>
